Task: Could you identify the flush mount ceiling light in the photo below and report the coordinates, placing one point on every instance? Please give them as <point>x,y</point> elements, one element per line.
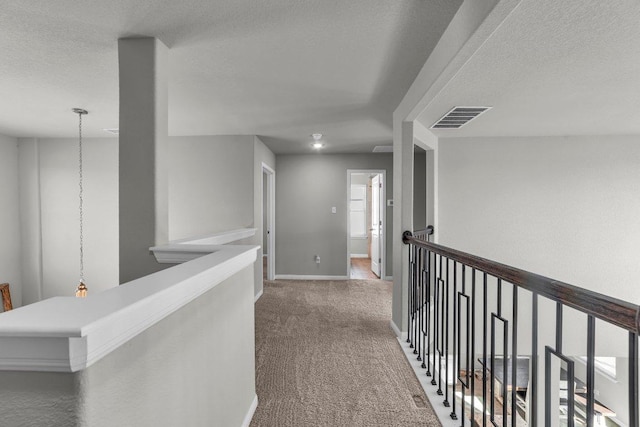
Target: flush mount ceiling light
<point>114,131</point>
<point>81,290</point>
<point>316,141</point>
<point>458,117</point>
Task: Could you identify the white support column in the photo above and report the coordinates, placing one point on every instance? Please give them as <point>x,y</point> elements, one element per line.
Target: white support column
<point>142,154</point>
<point>402,217</point>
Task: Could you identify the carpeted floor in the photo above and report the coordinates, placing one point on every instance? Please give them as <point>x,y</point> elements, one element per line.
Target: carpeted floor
<point>325,356</point>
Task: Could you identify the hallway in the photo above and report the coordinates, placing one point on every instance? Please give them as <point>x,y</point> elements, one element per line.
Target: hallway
<point>326,356</point>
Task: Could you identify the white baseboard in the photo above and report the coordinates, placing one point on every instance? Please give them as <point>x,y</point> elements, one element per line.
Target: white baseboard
<point>359,256</point>
<point>308,277</point>
<point>388,278</point>
<point>441,411</point>
<point>250,412</point>
<point>265,255</point>
<point>258,295</point>
<point>401,335</point>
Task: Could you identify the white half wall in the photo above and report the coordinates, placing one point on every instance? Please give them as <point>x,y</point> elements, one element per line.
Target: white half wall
<point>10,241</point>
<point>195,367</point>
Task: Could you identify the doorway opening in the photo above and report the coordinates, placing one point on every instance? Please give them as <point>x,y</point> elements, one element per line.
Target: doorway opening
<point>268,223</point>
<point>366,224</point>
<point>423,188</point>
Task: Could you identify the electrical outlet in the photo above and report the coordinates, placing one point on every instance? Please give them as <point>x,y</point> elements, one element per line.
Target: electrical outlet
<point>317,258</point>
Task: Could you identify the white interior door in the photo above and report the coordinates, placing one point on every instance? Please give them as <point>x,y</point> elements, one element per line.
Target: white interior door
<point>376,224</point>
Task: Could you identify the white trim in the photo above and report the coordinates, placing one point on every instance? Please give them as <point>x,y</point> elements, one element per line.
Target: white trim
<point>252,410</point>
<point>399,334</point>
<point>308,277</point>
<point>443,412</point>
<point>68,334</point>
<point>271,218</point>
<point>383,217</point>
<point>258,295</point>
<point>265,255</point>
<point>359,256</point>
<point>219,238</point>
<point>389,278</point>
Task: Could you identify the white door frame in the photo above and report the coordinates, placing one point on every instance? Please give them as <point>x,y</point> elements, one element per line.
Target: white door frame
<point>383,217</point>
<point>271,219</point>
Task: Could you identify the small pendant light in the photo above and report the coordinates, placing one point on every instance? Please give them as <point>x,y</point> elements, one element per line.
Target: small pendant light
<point>81,290</point>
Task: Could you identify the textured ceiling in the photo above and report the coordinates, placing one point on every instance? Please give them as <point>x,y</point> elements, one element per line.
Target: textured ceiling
<point>569,67</point>
<point>281,69</point>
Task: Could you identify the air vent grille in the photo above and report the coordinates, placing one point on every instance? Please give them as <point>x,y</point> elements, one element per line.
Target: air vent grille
<point>383,149</point>
<point>458,117</point>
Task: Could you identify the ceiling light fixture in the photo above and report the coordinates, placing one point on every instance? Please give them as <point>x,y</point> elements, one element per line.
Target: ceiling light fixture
<point>114,131</point>
<point>81,290</point>
<point>316,141</point>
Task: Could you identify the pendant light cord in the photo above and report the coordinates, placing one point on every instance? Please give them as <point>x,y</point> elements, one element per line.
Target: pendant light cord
<point>80,196</point>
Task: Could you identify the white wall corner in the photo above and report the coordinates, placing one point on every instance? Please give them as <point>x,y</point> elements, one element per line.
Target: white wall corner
<point>258,295</point>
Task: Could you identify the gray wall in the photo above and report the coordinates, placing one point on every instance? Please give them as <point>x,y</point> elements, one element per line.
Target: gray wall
<point>211,188</point>
<point>419,189</point>
<point>564,207</point>
<point>189,369</point>
<point>210,184</point>
<point>307,186</point>
<point>10,239</point>
<point>50,218</point>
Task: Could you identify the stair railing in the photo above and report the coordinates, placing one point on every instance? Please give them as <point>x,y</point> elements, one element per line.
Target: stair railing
<point>460,312</point>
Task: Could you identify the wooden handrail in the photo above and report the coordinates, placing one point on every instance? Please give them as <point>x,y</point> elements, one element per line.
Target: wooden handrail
<point>617,312</point>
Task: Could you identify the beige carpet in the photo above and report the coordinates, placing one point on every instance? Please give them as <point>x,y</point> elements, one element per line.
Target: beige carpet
<point>325,356</point>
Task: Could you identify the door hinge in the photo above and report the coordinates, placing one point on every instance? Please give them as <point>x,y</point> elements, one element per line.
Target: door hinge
<point>379,260</point>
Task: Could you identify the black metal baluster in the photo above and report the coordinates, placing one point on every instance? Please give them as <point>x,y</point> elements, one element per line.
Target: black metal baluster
<point>499,297</point>
<point>425,302</point>
<point>419,305</point>
<point>410,296</point>
<point>446,341</point>
<point>484,351</point>
<point>533,393</point>
<point>633,380</point>
<point>436,309</point>
<point>455,334</point>
<point>514,356</point>
<point>591,354</point>
<point>429,302</point>
<point>441,310</point>
<point>473,347</point>
<point>415,304</point>
<point>559,327</point>
<point>463,384</point>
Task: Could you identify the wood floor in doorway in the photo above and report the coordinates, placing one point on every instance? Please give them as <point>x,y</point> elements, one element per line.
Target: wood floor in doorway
<point>361,269</point>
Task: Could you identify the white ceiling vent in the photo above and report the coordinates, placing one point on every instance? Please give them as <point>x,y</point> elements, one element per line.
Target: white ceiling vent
<point>383,149</point>
<point>458,117</point>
